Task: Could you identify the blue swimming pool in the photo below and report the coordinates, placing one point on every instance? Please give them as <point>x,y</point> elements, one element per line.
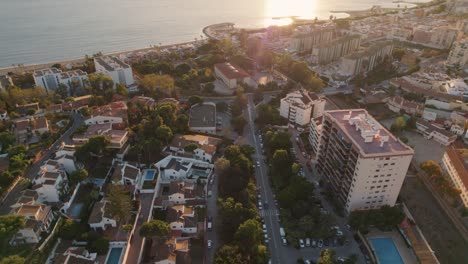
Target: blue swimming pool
<point>114,255</point>
<point>149,175</point>
<point>386,251</point>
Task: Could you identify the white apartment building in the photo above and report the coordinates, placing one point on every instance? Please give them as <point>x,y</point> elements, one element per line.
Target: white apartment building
<point>455,162</point>
<point>52,77</point>
<point>458,56</point>
<point>362,161</point>
<point>314,135</point>
<point>300,106</point>
<point>119,71</point>
<point>50,184</point>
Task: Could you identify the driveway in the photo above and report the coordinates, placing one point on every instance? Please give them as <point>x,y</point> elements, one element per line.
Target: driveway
<point>33,170</point>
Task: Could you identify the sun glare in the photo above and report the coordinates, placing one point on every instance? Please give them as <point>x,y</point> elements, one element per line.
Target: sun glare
<point>278,12</point>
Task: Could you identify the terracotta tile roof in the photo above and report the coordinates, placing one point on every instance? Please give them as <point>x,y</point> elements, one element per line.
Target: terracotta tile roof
<point>40,123</point>
<point>231,71</point>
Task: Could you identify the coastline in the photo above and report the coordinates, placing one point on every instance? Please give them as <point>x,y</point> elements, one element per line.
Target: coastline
<point>38,66</point>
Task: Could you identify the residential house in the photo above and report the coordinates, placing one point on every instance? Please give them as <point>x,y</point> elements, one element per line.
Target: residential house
<point>435,131</point>
<point>38,218</point>
<point>4,115</point>
<point>50,184</point>
<point>115,112</point>
<point>457,130</point>
<point>183,218</point>
<point>126,174</point>
<point>28,196</point>
<point>175,250</point>
<point>75,255</point>
<point>27,109</point>
<point>146,102</point>
<point>117,138</point>
<point>21,130</point>
<point>181,168</point>
<point>100,217</point>
<point>399,104</point>
<point>40,125</point>
<point>205,150</point>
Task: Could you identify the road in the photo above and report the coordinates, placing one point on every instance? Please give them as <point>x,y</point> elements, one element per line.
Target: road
<point>212,211</point>
<point>33,170</point>
<point>278,252</point>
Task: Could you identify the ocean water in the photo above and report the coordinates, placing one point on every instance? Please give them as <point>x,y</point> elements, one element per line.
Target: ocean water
<point>39,31</point>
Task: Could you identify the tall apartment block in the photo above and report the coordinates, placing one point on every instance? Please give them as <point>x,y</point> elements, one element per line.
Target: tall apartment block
<point>363,162</point>
<point>306,37</point>
<point>455,162</point>
<point>458,56</point>
<point>300,106</point>
<point>119,71</point>
<point>328,52</point>
<point>367,60</point>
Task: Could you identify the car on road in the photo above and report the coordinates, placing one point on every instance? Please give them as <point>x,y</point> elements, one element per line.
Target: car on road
<point>339,233</point>
<point>284,241</point>
<point>301,243</point>
<point>266,205</point>
<point>210,226</point>
<point>307,261</point>
<point>210,193</point>
<point>259,205</point>
<point>209,244</point>
<point>258,163</point>
<point>320,243</point>
<point>264,228</point>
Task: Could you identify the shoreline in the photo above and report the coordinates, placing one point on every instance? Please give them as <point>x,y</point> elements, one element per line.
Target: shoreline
<point>38,66</point>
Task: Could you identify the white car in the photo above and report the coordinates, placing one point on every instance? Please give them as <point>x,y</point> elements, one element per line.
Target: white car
<point>209,244</point>
<point>258,163</point>
<point>301,243</point>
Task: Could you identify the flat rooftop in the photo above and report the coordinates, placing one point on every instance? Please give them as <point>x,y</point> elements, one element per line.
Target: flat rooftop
<point>111,63</point>
<point>367,133</point>
<point>203,115</point>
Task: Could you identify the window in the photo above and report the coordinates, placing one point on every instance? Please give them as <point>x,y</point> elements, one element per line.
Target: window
<point>393,163</point>
<point>387,158</point>
<point>385,164</point>
<point>377,170</point>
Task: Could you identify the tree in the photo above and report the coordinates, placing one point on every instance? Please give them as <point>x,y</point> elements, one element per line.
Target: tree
<point>238,124</point>
<point>164,133</point>
<point>78,176</point>
<point>399,125</point>
<point>195,99</point>
<point>70,230</point>
<point>155,229</point>
<point>119,203</point>
<point>398,53</point>
<point>121,89</point>
<point>62,90</point>
<point>228,254</point>
<point>191,147</point>
<point>154,84</point>
<point>99,245</point>
<point>352,259</point>
<point>327,256</point>
<point>6,140</point>
<point>221,165</point>
<point>432,168</point>
<point>13,259</point>
<point>94,146</point>
<point>248,235</point>
<point>9,225</point>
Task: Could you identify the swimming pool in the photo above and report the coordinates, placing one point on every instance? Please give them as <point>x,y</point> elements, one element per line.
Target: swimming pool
<point>149,175</point>
<point>114,255</point>
<point>386,251</point>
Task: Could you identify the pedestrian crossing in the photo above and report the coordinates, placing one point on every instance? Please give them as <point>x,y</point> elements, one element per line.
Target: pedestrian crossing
<point>269,212</point>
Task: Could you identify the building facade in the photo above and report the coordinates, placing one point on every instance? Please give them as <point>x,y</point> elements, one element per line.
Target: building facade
<point>458,56</point>
<point>365,61</point>
<point>300,106</point>
<point>363,162</point>
<point>328,52</point>
<point>455,162</point>
<point>119,71</point>
<point>51,79</point>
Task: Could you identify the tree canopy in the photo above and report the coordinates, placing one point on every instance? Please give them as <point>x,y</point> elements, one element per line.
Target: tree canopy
<point>156,229</point>
<point>119,202</point>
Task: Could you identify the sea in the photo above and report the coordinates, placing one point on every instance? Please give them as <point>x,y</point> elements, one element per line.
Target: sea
<point>41,31</point>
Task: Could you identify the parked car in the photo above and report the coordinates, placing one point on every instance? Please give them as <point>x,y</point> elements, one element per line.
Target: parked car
<point>264,228</point>
<point>307,242</point>
<point>313,243</point>
<point>209,244</point>
<point>320,243</point>
<point>301,243</point>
